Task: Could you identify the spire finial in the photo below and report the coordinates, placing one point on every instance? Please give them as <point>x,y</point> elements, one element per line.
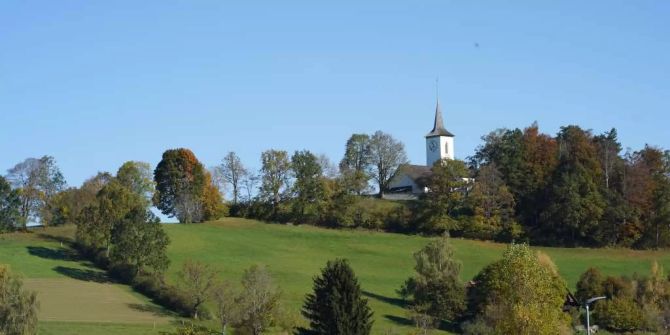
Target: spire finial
<point>437,89</point>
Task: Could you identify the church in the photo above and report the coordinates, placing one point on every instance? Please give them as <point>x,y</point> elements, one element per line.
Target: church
<point>411,180</point>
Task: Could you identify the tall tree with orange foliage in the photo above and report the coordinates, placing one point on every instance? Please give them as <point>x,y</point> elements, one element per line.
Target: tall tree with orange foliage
<point>184,188</point>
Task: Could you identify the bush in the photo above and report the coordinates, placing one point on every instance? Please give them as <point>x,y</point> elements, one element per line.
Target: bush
<point>147,285</point>
<point>122,272</point>
<point>590,285</point>
<point>619,314</point>
<point>618,287</point>
<point>174,299</point>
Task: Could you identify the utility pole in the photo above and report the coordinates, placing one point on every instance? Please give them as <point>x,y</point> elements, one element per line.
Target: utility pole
<point>588,320</point>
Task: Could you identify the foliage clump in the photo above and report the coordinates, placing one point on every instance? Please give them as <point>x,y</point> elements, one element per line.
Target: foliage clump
<point>519,294</point>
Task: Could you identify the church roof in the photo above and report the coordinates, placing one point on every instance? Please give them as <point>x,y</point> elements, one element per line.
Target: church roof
<point>438,127</point>
<point>418,173</point>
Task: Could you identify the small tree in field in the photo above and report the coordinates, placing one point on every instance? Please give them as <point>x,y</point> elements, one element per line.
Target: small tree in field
<point>436,289</point>
<point>258,302</point>
<point>224,297</point>
<point>197,280</point>
<point>18,307</point>
<point>520,294</point>
<point>336,306</point>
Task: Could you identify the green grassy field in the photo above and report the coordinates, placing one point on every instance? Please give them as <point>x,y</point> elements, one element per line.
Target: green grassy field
<point>382,261</point>
<point>294,254</point>
<point>76,298</point>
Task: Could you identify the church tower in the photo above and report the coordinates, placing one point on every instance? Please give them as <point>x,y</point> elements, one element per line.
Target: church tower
<point>439,142</point>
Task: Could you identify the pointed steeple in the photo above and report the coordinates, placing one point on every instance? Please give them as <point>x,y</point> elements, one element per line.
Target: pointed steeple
<point>438,126</point>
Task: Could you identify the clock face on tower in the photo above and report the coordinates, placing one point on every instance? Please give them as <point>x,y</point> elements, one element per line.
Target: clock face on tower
<point>432,146</point>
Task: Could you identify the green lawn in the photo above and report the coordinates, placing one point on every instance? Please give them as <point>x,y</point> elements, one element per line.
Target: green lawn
<point>294,255</point>
<point>382,261</point>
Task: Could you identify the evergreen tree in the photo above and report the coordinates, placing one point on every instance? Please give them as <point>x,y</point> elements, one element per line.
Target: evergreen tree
<point>436,289</point>
<point>336,306</point>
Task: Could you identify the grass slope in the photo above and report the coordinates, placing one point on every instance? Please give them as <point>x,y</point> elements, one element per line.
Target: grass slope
<point>382,261</point>
<point>76,298</point>
<point>294,254</point>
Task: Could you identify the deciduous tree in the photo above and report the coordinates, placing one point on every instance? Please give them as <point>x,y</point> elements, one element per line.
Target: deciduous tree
<point>180,185</point>
<point>386,155</point>
<point>38,181</point>
<point>233,172</point>
<point>141,242</point>
<point>520,294</point>
<point>18,307</point>
<point>447,193</point>
<point>9,207</point>
<point>137,177</point>
<point>493,204</point>
<point>576,204</point>
<point>274,176</point>
<point>197,280</point>
<point>224,299</point>
<point>259,300</point>
<point>356,162</point>
<point>308,186</point>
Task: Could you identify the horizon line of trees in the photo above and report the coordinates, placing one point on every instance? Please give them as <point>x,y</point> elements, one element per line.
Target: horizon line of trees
<point>572,189</point>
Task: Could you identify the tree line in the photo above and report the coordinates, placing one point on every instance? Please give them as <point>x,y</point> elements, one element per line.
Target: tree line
<point>571,189</point>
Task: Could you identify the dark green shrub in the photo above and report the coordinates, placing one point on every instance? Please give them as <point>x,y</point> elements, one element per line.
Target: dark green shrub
<point>147,285</point>
<point>590,285</point>
<point>122,272</point>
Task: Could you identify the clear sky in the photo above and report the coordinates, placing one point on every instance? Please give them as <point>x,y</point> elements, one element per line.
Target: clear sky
<point>97,83</point>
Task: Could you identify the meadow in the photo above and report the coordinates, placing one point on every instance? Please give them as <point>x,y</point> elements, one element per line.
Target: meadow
<point>76,298</point>
<point>382,261</point>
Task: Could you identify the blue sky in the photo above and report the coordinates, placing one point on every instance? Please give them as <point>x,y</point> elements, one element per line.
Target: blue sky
<point>97,83</point>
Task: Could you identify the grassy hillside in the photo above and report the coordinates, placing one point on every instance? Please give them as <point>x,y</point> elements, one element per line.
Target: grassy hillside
<point>76,298</point>
<point>382,261</point>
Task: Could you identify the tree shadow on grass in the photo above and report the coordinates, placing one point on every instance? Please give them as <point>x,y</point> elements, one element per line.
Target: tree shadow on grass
<point>55,238</point>
<point>155,310</point>
<point>393,301</point>
<point>449,326</point>
<point>61,254</point>
<point>399,320</point>
<point>83,274</point>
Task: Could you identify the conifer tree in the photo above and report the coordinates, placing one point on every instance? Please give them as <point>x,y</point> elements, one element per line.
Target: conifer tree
<point>336,306</point>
